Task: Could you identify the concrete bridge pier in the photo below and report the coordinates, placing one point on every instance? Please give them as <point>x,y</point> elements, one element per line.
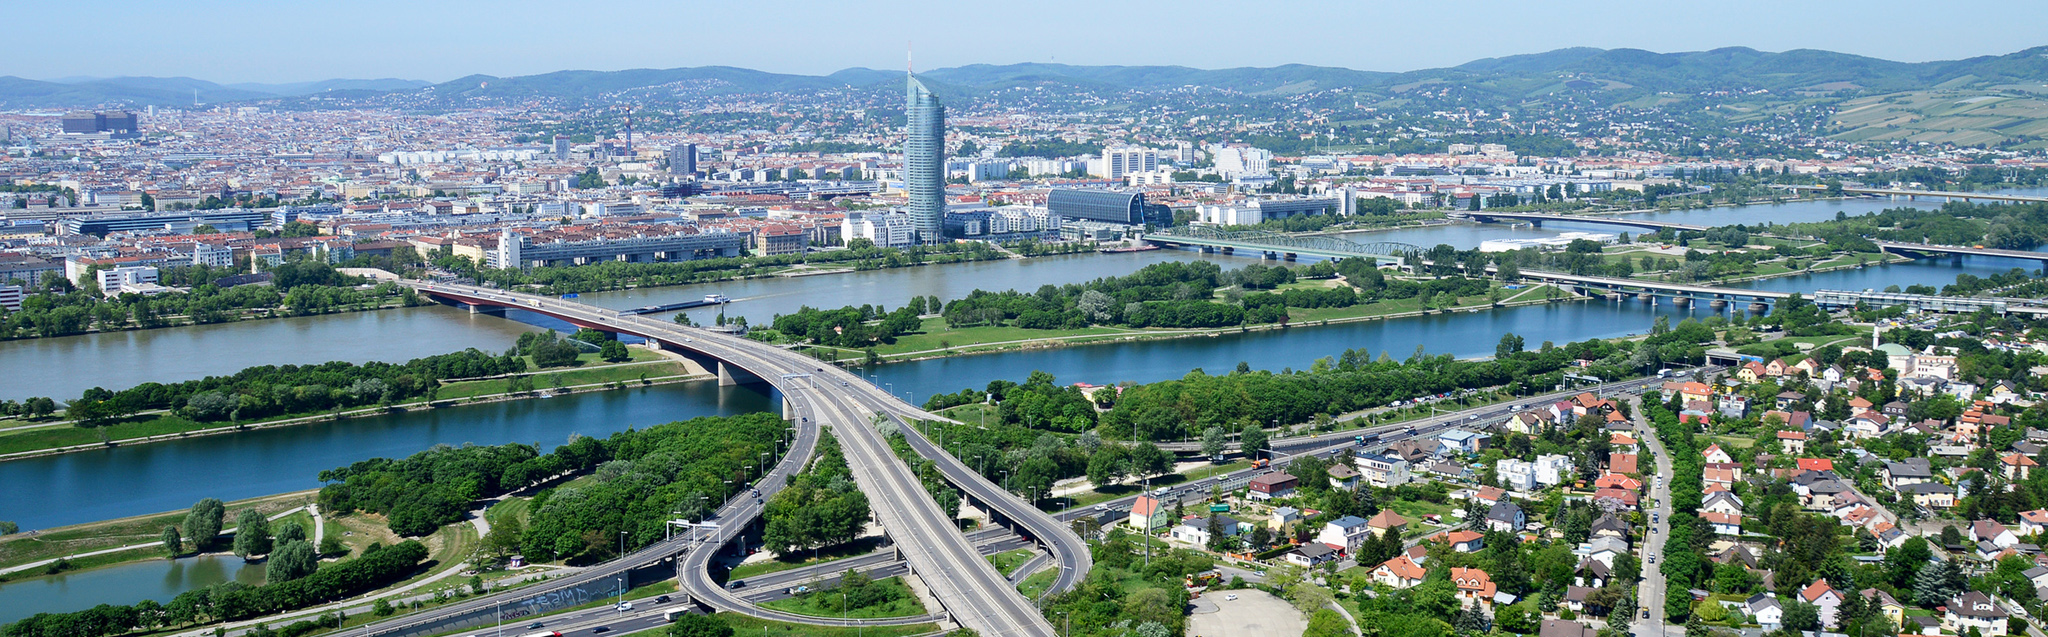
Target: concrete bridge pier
<point>729,375</point>
<point>1229,250</point>
<point>1212,249</point>
<point>1718,304</point>
<point>1681,301</point>
<point>1269,255</point>
<point>1290,256</point>
<point>1759,307</point>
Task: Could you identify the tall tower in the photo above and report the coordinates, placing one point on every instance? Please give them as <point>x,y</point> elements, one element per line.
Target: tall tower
<point>924,160</point>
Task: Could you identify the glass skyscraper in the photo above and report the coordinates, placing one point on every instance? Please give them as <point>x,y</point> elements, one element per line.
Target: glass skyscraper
<point>924,160</point>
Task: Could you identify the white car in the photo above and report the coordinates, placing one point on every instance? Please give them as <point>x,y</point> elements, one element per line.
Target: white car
<point>1230,598</point>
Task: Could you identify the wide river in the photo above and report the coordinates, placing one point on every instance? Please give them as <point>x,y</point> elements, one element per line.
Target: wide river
<point>141,479</point>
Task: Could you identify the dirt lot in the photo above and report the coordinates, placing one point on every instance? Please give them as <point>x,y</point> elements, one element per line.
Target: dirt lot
<point>1254,613</point>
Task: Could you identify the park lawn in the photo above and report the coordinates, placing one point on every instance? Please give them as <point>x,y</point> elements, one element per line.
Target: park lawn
<point>1734,441</point>
<point>971,414</point>
<point>905,605</point>
<point>824,555</point>
<point>1414,510</point>
<point>22,548</point>
<point>1008,561</point>
<point>744,626</point>
<point>509,508</point>
<point>1036,584</point>
<point>629,373</point>
<point>133,427</point>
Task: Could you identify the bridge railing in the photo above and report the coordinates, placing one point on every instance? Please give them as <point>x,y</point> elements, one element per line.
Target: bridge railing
<point>1282,242</point>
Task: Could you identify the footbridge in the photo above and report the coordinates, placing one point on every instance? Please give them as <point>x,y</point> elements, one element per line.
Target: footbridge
<point>815,395</point>
<point>1917,250</point>
<point>1538,218</point>
<point>1277,245</point>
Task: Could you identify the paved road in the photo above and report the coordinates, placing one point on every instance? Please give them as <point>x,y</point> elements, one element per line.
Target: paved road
<point>1650,594</point>
<point>973,594</point>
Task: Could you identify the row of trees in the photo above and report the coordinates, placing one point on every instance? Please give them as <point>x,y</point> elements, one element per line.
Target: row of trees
<point>434,487</point>
<point>820,507</point>
<point>298,288</point>
<point>376,568</point>
<point>273,390</point>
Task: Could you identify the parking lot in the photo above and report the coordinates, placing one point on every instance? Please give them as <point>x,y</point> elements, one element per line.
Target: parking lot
<point>1254,613</point>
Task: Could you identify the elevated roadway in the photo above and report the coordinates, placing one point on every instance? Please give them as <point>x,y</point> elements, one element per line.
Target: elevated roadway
<point>1276,245</point>
<point>1911,194</point>
<point>1917,250</point>
<point>1538,218</point>
<point>815,394</point>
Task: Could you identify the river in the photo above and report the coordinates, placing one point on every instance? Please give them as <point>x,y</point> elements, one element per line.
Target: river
<point>141,479</point>
<point>128,583</point>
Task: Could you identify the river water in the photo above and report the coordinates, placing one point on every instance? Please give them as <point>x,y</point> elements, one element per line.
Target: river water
<point>141,479</point>
<point>128,583</point>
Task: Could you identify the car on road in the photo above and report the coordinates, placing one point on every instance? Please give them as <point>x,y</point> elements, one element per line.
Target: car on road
<point>534,625</point>
<point>1646,613</point>
<point>600,629</point>
<point>735,585</point>
<point>1230,598</point>
<point>661,600</point>
<point>625,606</point>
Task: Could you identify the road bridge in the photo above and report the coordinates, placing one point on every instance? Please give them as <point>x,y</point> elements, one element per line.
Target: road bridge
<point>1917,250</point>
<point>1680,293</point>
<point>1538,218</point>
<point>816,394</point>
<point>1277,245</point>
<point>1911,194</point>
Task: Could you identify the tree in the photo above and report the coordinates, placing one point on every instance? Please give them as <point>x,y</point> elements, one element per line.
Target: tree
<point>292,560</point>
<point>382,608</point>
<point>693,625</point>
<point>1475,514</point>
<point>1801,616</point>
<point>1148,459</point>
<point>613,352</point>
<point>1214,441</point>
<point>172,541</point>
<point>1327,623</point>
<point>288,531</point>
<point>1510,344</point>
<point>204,522</point>
<point>1252,440</point>
<point>1624,607</point>
<point>252,535</point>
<point>1108,465</point>
<point>1308,597</point>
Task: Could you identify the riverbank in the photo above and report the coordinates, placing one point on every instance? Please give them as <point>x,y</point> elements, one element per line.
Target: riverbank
<point>85,545</point>
<point>46,439</point>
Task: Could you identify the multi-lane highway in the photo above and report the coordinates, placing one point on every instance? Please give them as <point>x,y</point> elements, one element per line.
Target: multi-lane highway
<point>972,593</point>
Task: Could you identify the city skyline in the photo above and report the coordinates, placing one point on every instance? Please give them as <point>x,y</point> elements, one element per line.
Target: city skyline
<point>819,39</point>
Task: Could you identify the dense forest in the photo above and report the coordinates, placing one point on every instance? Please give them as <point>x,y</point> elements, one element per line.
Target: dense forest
<point>820,507</point>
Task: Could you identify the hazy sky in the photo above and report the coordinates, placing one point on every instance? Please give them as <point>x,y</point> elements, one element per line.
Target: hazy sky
<point>299,40</point>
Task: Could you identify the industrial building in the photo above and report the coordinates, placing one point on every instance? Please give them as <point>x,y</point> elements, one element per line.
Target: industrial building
<point>582,248</point>
<point>1126,207</point>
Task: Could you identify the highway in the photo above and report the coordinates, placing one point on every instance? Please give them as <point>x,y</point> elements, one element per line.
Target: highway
<point>1928,248</point>
<point>973,594</point>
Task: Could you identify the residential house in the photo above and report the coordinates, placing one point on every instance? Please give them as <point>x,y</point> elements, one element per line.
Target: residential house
<point>1148,514</point>
<point>1786,399</point>
<point>1714,454</point>
<point>1605,549</point>
<point>1933,495</point>
<point>1399,572</point>
<point>1825,597</point>
<point>1565,628</point>
<point>1624,463</point>
<point>1345,533</point>
<point>1273,485</point>
<point>1196,530</point>
<point>1592,573</point>
<point>1342,476</point>
<point>1724,477</point>
<point>1475,588</point>
<point>1689,390</point>
<point>1488,495</point>
<point>1733,406</point>
<point>1553,469</point>
<point>1905,472</point>
<point>1458,441</point>
<point>2033,522</point>
<point>1869,424</point>
<point>1610,525</point>
<point>1763,609</point>
<point>1885,603</point>
<point>1282,517</point>
<point>1412,450</point>
<point>1506,517</point>
<point>1385,471</point>
<point>1515,474</point>
<point>1311,555</point>
<point>1974,610</point>
<point>1386,521</point>
<point>1792,442</point>
<point>1575,599</point>
<point>1722,502</point>
<point>1988,530</point>
<point>2017,467</point>
<point>1462,541</point>
<point>1723,523</point>
<point>1531,423</point>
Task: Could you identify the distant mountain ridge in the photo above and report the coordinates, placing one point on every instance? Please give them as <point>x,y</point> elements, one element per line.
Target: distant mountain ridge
<point>1636,70</point>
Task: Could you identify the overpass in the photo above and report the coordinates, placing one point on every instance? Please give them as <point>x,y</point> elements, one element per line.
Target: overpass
<point>814,394</point>
<point>1277,245</point>
<point>1917,250</point>
<point>1680,293</point>
<point>1911,194</point>
<point>1538,218</point>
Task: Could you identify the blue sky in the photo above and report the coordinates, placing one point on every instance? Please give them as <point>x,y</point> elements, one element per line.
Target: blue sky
<point>294,40</point>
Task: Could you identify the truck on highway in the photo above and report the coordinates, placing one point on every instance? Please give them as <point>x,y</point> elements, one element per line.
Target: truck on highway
<point>671,616</point>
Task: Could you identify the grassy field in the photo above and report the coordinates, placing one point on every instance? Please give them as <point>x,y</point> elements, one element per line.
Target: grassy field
<point>629,373</point>
<point>1414,510</point>
<point>22,548</point>
<point>825,555</point>
<point>812,603</point>
<point>743,626</point>
<point>509,508</point>
<point>1035,585</point>
<point>1008,561</point>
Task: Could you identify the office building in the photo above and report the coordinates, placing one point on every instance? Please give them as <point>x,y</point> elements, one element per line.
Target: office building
<point>114,281</point>
<point>219,256</point>
<point>1256,211</point>
<point>515,249</point>
<point>561,147</point>
<point>1232,161</point>
<point>924,161</point>
<point>231,220</point>
<point>886,229</point>
<point>84,123</point>
<point>1003,224</point>
<point>682,159</point>
<point>28,270</point>
<point>1107,206</point>
<point>1117,162</point>
<point>10,298</point>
